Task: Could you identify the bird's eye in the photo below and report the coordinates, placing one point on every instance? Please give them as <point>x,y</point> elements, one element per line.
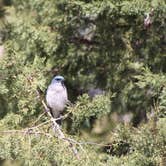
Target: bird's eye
<point>58,79</point>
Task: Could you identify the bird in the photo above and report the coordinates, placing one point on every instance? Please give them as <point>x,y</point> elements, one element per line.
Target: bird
<point>56,96</point>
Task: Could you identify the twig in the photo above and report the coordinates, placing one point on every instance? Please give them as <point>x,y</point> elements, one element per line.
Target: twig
<point>38,118</point>
<point>40,124</point>
<point>94,143</point>
<point>29,149</point>
<point>25,132</point>
<point>61,117</point>
<point>88,143</point>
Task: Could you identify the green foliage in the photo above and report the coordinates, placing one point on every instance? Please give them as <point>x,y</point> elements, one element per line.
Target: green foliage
<point>144,148</point>
<point>155,88</point>
<point>85,109</point>
<point>162,103</point>
<point>142,145</point>
<point>94,44</point>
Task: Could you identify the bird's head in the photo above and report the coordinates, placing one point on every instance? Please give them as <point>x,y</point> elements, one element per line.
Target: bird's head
<point>58,79</point>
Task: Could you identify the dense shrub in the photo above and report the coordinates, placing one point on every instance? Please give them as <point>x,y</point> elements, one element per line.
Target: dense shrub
<point>117,46</point>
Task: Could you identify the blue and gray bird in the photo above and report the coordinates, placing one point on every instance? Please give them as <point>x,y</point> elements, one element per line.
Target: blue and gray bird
<point>56,96</point>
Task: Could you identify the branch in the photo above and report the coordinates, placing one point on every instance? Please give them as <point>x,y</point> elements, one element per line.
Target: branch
<point>25,132</point>
<point>59,133</point>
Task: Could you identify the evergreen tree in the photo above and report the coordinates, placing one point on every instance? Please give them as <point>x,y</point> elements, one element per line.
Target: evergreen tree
<point>117,46</point>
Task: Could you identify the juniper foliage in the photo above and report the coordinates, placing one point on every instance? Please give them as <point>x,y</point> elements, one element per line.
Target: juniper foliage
<point>114,45</point>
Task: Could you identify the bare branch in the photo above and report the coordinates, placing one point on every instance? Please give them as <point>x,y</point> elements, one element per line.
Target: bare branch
<point>25,132</point>
<point>58,131</point>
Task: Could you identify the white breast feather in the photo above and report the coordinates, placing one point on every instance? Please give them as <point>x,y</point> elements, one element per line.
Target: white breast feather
<point>56,98</point>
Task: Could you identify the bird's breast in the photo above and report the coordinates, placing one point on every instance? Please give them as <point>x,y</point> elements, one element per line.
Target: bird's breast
<point>56,97</point>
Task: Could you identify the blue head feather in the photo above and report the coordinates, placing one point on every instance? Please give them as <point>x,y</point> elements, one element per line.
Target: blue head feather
<point>57,79</point>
